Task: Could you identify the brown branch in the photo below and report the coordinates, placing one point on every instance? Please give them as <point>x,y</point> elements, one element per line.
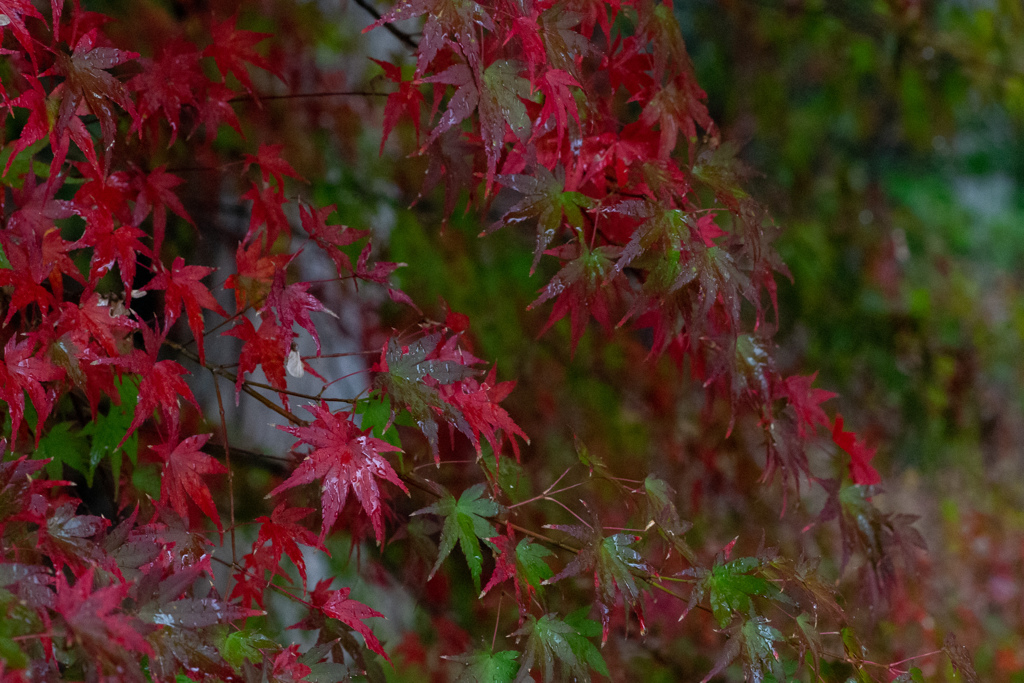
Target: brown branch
<point>397,33</point>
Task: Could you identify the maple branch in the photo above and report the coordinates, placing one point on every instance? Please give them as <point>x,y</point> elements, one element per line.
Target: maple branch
<point>397,33</point>
<point>297,394</point>
<point>286,414</point>
<point>231,474</point>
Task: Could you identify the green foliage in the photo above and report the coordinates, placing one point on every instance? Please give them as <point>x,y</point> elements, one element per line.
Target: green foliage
<point>465,524</point>
<point>553,644</point>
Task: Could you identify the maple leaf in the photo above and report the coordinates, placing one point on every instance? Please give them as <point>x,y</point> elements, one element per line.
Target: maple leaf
<point>254,274</point>
<point>484,665</point>
<point>544,204</point>
<point>408,99</point>
<point>181,287</point>
<point>411,376</point>
<point>267,348</point>
<point>68,539</point>
<point>330,238</point>
<point>112,244</point>
<point>806,402</point>
<point>676,105</point>
<point>478,403</point>
<point>24,276</point>
<point>95,623</point>
<point>267,210</point>
<point>280,535</point>
<point>271,165</point>
<point>582,288</point>
<point>39,126</point>
<point>231,49</point>
<point>662,511</point>
<point>729,587</point>
<point>613,563</point>
<point>156,195</point>
<point>753,642</point>
<point>88,81</point>
<point>551,641</point>
<point>214,109</point>
<point>166,84</point>
<point>861,470</point>
<point>558,100</point>
<point>23,370</point>
<point>180,483</point>
<point>292,304</point>
<point>465,524</point>
<point>15,13</point>
<point>344,457</point>
<point>160,382</point>
<point>448,23</point>
<point>497,93</point>
<point>380,273</point>
<point>522,562</point>
<point>106,323</point>
<point>352,613</point>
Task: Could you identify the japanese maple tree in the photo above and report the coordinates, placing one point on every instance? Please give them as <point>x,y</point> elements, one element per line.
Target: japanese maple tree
<point>570,136</point>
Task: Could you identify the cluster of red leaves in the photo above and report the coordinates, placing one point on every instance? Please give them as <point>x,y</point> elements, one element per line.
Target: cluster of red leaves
<point>533,104</point>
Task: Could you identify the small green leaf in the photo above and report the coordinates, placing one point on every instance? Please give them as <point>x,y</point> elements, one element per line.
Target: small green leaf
<point>245,645</point>
<point>107,431</point>
<point>730,587</point>
<point>377,416</point>
<point>553,642</point>
<point>530,558</point>
<point>464,523</point>
<point>64,447</point>
<point>493,667</point>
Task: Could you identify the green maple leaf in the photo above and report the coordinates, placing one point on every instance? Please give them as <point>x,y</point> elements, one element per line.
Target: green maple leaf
<point>545,203</point>
<point>729,587</point>
<point>465,524</point>
<point>566,644</point>
<point>530,561</point>
<point>753,642</point>
<point>494,667</point>
<point>613,563</point>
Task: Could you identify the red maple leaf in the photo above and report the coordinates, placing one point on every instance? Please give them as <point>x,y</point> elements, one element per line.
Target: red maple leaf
<point>583,288</point>
<point>254,273</point>
<point>25,277</point>
<point>280,535</point>
<point>268,158</point>
<point>183,463</point>
<point>267,210</point>
<point>156,195</point>
<point>292,303</point>
<point>168,83</point>
<point>15,12</point>
<point>267,348</point>
<point>408,99</point>
<point>232,49</point>
<point>182,288</point>
<point>160,382</point>
<point>806,402</point>
<point>478,403</point>
<point>343,457</point>
<point>24,369</point>
<point>861,469</point>
<point>351,612</point>
<point>88,81</point>
<point>558,100</point>
<point>94,619</point>
<point>330,238</point>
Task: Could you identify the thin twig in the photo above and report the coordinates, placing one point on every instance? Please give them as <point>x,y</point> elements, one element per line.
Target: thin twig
<point>397,33</point>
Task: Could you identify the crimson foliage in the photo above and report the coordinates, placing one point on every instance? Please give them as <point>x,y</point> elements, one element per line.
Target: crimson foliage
<point>579,122</point>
